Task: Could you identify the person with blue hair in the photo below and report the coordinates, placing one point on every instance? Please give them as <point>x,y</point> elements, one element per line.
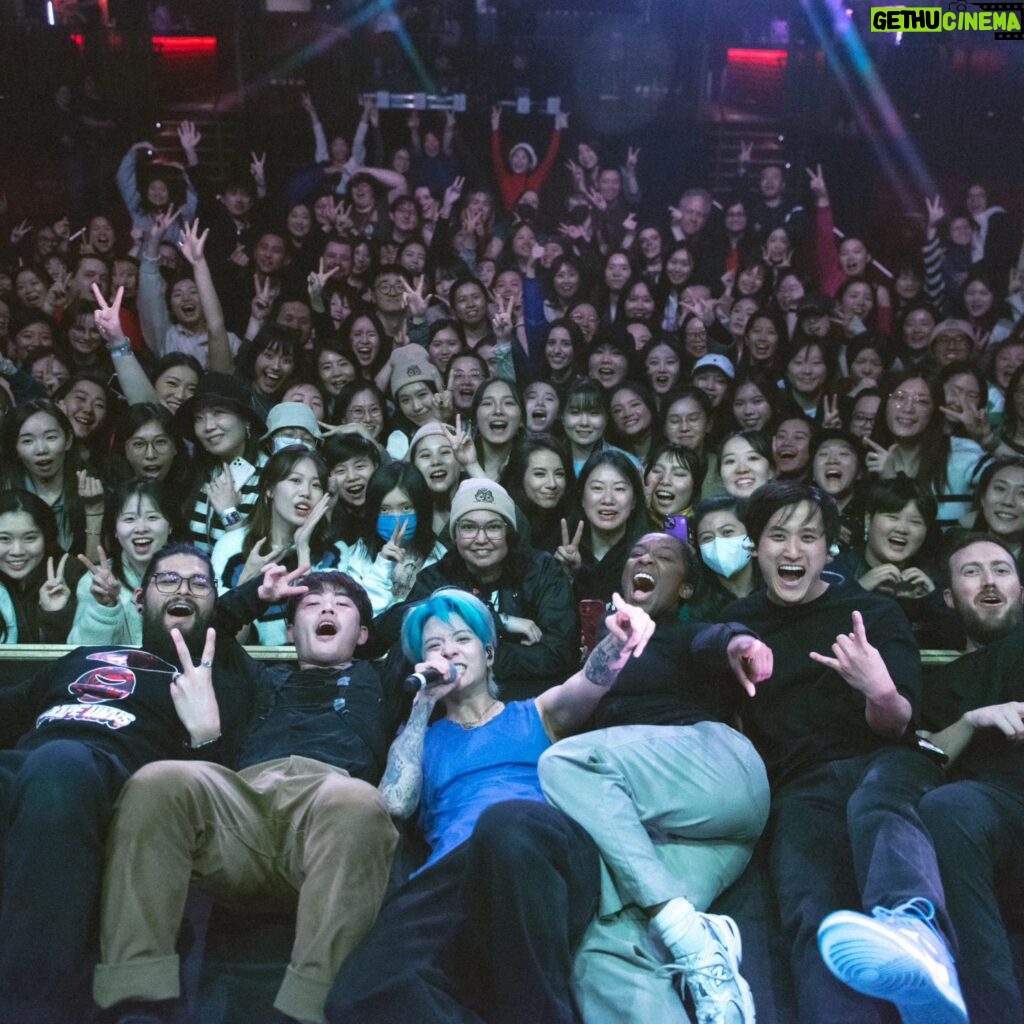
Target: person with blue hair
<point>486,930</point>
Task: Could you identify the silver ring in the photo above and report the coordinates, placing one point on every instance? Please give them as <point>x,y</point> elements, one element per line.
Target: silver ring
<point>206,664</point>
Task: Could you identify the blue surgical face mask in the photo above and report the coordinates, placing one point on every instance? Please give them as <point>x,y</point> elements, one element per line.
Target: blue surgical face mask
<point>727,555</point>
<point>386,526</point>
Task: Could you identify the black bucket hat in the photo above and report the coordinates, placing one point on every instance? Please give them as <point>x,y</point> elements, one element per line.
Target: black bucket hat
<point>221,390</point>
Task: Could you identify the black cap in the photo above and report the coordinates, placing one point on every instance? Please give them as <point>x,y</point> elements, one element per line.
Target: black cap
<point>814,304</point>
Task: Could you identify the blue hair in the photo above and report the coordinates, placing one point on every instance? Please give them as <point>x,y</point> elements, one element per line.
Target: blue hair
<point>443,603</point>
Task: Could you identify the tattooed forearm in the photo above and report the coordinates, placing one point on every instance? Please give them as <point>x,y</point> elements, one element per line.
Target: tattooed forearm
<point>403,778</point>
<point>602,667</point>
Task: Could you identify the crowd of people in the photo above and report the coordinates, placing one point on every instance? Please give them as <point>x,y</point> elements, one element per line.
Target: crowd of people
<point>373,406</point>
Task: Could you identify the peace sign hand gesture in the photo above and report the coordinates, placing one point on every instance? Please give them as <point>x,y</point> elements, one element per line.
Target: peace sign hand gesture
<point>817,181</point>
<point>973,419</point>
<point>343,223</point>
<point>318,278</point>
<point>192,690</point>
<point>54,594</point>
<point>108,317</point>
<point>462,444</point>
<point>576,172</point>
<point>262,300</point>
<point>162,221</point>
<point>453,193</point>
<point>568,552</point>
<point>258,168</point>
<point>413,298</point>
<point>830,411</point>
<point>632,157</point>
<point>393,550</point>
<point>502,319</point>
<point>935,210</point>
<point>105,586</point>
<point>19,231</point>
<point>442,403</point>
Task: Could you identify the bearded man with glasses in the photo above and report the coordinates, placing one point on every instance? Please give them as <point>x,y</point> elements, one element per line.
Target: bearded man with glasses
<point>79,728</point>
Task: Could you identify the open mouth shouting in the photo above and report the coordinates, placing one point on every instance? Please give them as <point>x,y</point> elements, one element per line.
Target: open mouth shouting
<point>643,584</point>
<point>180,612</point>
<point>790,574</point>
<point>326,628</point>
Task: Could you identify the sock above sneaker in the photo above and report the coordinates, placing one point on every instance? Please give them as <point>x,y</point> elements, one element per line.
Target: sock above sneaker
<point>680,927</point>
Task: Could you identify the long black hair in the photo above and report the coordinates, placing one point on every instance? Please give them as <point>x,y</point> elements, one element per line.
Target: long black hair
<point>405,477</point>
<point>24,593</point>
<point>545,523</point>
<point>164,501</point>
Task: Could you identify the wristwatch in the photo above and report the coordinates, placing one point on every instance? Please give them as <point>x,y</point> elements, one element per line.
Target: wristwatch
<point>231,516</point>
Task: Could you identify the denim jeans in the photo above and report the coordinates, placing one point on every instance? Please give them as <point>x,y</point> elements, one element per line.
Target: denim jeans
<point>847,834</point>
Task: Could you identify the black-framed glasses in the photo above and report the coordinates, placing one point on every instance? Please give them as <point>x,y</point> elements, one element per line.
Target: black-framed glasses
<point>468,530</point>
<point>198,584</point>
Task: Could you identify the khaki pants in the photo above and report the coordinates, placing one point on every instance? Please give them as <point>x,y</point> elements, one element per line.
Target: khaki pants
<point>287,832</point>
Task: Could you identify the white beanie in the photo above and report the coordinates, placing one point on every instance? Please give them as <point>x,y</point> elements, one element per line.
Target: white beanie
<point>531,153</point>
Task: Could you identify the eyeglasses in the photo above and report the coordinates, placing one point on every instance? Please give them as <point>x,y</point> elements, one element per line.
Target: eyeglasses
<point>388,289</point>
<point>914,401</point>
<point>471,375</point>
<point>468,530</point>
<point>862,419</point>
<point>160,445</point>
<point>170,583</point>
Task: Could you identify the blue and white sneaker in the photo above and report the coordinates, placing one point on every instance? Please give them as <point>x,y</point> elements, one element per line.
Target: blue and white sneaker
<point>898,955</point>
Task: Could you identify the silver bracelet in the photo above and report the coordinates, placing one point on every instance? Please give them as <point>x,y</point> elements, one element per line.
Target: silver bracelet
<point>120,350</point>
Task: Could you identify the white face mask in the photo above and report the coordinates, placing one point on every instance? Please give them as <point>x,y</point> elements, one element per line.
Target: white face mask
<point>727,556</point>
<point>280,443</point>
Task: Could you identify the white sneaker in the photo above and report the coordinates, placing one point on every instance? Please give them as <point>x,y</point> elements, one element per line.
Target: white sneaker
<point>898,955</point>
<point>719,992</point>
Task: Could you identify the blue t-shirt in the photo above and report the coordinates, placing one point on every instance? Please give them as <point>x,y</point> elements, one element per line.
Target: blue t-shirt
<point>467,770</point>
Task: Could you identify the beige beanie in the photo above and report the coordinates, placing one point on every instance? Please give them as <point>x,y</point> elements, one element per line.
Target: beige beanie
<point>478,494</point>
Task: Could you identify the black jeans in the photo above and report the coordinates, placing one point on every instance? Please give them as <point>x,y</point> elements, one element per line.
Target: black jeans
<point>978,831</point>
<point>485,934</point>
<point>57,802</point>
<point>847,834</point>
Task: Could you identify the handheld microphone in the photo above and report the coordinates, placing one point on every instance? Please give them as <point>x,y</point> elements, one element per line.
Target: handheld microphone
<point>429,677</point>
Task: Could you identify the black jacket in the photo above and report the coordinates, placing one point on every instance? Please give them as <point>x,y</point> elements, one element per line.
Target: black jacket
<point>532,586</point>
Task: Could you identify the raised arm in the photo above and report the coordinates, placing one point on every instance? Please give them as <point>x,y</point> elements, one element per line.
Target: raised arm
<point>127,184</point>
<point>134,382</point>
<point>565,708</point>
<point>220,357</point>
<point>320,154</point>
<point>394,182</point>
<point>153,314</point>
